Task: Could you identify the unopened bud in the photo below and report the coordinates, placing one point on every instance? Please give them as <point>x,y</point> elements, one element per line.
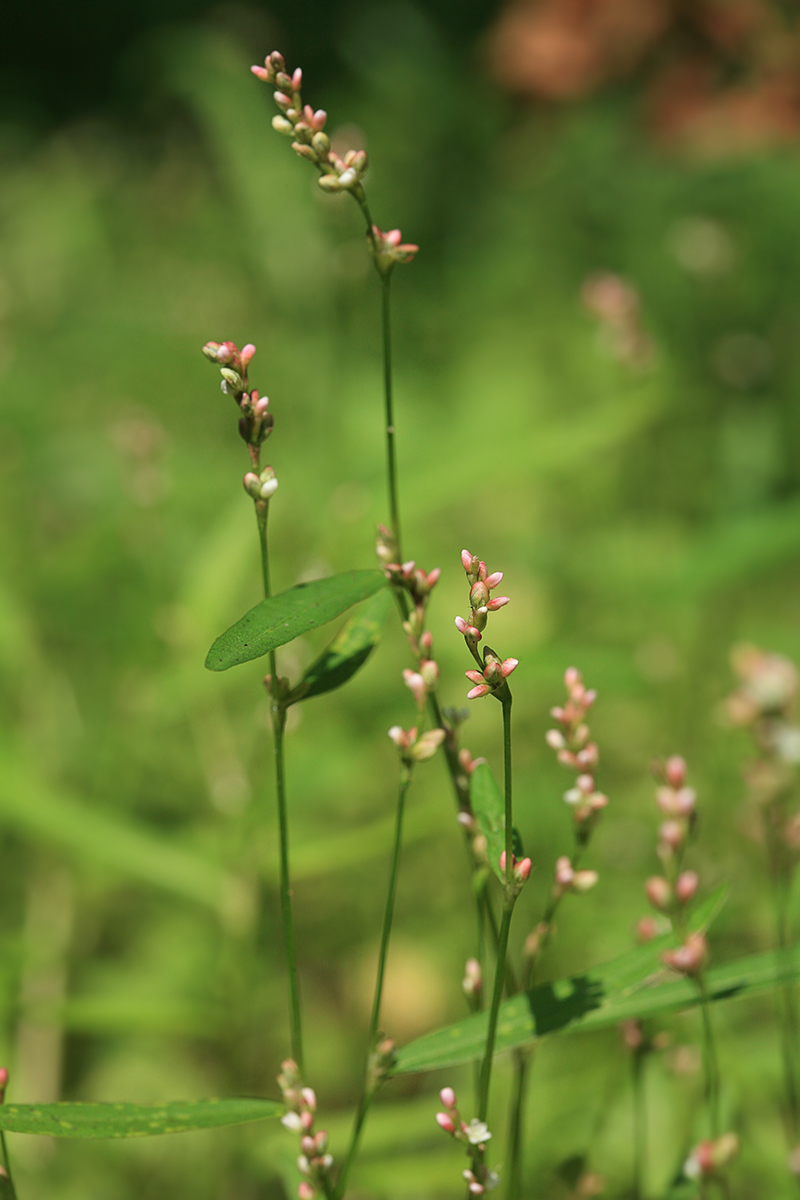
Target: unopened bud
<point>690,958</point>
<point>329,183</point>
<point>659,893</point>
<point>686,885</point>
<point>281,125</point>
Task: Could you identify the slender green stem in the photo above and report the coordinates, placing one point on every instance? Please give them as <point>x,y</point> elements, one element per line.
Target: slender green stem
<point>497,995</point>
<point>710,1061</point>
<point>391,463</point>
<point>789,1032</point>
<point>11,1190</point>
<point>369,1084</point>
<point>278,717</point>
<point>521,1063</point>
<point>639,1124</point>
<point>505,699</point>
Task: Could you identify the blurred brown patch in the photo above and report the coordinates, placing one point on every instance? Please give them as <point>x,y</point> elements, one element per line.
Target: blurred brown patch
<point>715,76</point>
<point>561,49</point>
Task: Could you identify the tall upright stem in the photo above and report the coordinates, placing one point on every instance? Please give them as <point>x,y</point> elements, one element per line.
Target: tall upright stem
<point>8,1190</point>
<point>509,900</point>
<point>391,464</point>
<point>368,1089</point>
<point>710,1062</point>
<point>278,717</point>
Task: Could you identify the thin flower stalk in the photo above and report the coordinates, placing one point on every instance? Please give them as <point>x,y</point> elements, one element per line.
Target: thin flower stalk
<point>255,426</point>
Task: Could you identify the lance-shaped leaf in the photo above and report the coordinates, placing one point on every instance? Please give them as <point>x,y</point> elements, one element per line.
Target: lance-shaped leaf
<point>489,807</point>
<point>133,1120</point>
<point>348,651</point>
<point>631,986</point>
<point>279,620</point>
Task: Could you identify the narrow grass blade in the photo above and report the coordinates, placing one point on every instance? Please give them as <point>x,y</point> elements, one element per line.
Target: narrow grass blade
<point>132,1120</point>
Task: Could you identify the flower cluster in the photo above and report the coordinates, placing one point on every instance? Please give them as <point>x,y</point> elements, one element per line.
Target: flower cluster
<point>576,751</point>
<point>255,422</point>
<point>314,1162</point>
<point>301,122</point>
<point>481,585</point>
<point>671,892</point>
<point>416,747</point>
<point>336,174</point>
<point>474,1135</point>
<point>389,249</point>
<point>710,1157</point>
<point>491,678</point>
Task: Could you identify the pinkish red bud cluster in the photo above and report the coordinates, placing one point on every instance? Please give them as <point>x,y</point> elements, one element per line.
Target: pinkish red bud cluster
<point>481,585</point>
<point>389,249</point>
<point>416,747</point>
<point>493,676</point>
<point>711,1157</point>
<point>576,751</point>
<point>767,686</point>
<point>672,892</point>
<point>475,1135</point>
<point>301,1104</point>
<point>520,871</point>
<point>304,124</point>
<point>567,879</point>
<point>255,422</point>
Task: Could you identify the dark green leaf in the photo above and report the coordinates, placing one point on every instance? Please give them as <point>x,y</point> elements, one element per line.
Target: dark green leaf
<point>634,985</point>
<point>132,1120</point>
<point>489,807</point>
<point>282,618</point>
<point>348,651</point>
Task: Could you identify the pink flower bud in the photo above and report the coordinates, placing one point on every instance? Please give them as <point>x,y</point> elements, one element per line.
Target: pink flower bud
<point>584,881</point>
<point>448,1096</point>
<point>686,885</point>
<point>247,353</point>
<point>572,676</point>
<point>492,581</point>
<point>564,873</point>
<point>305,1191</point>
<point>261,73</point>
<point>690,958</point>
<point>416,685</point>
<point>476,693</point>
<point>461,625</point>
<point>675,771</point>
<point>307,1121</point>
<point>310,1098</point>
<point>659,893</point>
<point>555,739</point>
<point>471,983</point>
<point>507,666</point>
<point>522,870</point>
<point>446,1123</point>
<point>307,1144</point>
<point>672,834</point>
<point>466,561</point>
<point>297,79</point>
<point>427,745</point>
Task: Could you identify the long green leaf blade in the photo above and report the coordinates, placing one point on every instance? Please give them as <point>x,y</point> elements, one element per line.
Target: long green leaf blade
<point>489,808</point>
<point>632,986</point>
<point>279,620</point>
<point>133,1120</point>
<point>348,651</point>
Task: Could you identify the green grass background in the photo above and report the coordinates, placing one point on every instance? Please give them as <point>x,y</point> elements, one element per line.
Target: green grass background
<point>645,522</point>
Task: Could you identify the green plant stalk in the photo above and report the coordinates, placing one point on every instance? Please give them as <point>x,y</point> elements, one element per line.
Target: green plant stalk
<point>710,1061</point>
<point>278,717</point>
<point>639,1123</point>
<point>522,1058</point>
<point>12,1192</point>
<point>369,1086</point>
<point>509,900</point>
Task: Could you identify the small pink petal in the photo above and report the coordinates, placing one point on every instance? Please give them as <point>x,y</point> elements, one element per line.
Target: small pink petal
<point>261,73</point>
<point>476,692</point>
<point>493,579</point>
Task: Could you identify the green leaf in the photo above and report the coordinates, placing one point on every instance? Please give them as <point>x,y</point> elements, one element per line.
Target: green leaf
<point>489,807</point>
<point>282,618</point>
<point>132,1120</point>
<point>633,986</point>
<point>348,651</point>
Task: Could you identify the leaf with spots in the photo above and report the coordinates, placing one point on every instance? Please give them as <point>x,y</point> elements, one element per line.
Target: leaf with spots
<point>133,1120</point>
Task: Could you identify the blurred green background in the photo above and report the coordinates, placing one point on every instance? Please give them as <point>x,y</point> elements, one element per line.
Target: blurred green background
<point>624,447</point>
